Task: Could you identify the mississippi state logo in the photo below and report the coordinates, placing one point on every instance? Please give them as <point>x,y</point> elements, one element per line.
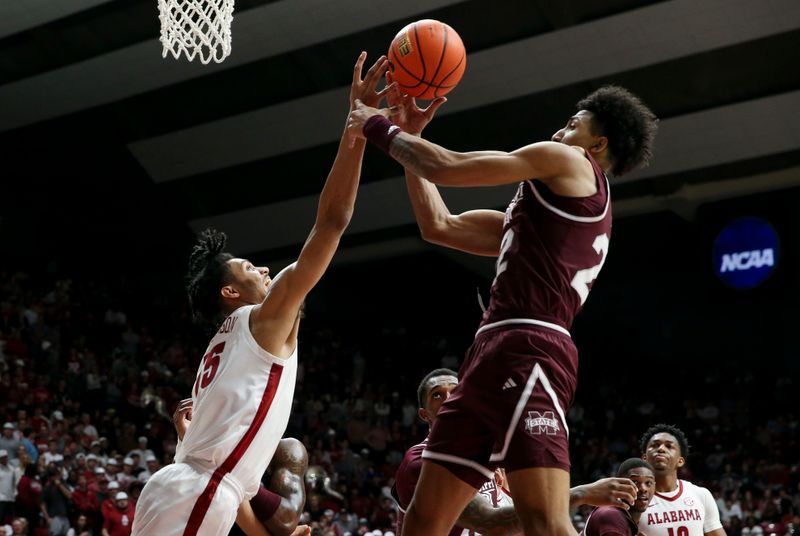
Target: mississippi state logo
<point>541,423</point>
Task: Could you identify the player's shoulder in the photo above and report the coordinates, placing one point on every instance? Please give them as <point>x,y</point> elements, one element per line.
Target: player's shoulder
<point>604,513</point>
<point>691,487</point>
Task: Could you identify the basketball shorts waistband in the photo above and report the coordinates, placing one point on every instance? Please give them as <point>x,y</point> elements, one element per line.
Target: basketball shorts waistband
<point>523,321</point>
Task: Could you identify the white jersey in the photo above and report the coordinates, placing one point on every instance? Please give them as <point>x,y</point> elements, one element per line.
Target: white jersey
<point>688,511</point>
<point>242,399</point>
<point>496,495</point>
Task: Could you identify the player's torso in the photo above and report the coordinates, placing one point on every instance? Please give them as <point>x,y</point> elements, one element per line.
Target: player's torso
<point>242,400</point>
<point>552,251</point>
<point>680,515</point>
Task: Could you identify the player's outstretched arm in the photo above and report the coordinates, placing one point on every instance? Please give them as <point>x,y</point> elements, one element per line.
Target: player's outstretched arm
<point>620,492</point>
<point>479,232</point>
<point>480,516</point>
<point>547,161</point>
<point>274,320</point>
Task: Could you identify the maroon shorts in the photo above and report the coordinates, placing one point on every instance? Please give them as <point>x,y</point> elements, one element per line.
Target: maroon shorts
<point>509,409</point>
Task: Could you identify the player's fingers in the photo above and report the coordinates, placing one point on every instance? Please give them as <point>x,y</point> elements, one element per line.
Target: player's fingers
<point>388,90</point>
<point>432,107</point>
<point>358,67</point>
<point>376,71</point>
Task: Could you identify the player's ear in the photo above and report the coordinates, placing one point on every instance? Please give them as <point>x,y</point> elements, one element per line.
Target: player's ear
<point>424,415</point>
<point>229,291</point>
<point>600,144</point>
<point>681,461</point>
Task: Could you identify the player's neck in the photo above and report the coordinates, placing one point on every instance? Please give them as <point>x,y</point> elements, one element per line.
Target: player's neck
<point>666,482</point>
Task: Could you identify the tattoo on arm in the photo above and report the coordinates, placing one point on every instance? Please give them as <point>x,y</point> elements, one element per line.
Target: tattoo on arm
<point>402,150</point>
<point>481,516</point>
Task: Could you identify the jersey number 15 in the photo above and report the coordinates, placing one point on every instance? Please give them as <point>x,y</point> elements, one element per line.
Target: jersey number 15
<point>210,366</point>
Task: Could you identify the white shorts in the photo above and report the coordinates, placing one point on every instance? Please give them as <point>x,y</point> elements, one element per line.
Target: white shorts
<point>170,495</point>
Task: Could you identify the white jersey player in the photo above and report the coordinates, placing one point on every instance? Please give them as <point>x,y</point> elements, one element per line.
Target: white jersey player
<point>245,382</point>
<point>678,508</point>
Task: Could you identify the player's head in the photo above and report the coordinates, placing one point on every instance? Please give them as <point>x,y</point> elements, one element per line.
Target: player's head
<point>433,390</point>
<point>614,126</point>
<point>664,447</point>
<point>643,477</point>
<point>218,282</point>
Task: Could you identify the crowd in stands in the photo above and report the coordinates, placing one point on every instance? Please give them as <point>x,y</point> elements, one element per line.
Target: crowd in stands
<point>89,378</point>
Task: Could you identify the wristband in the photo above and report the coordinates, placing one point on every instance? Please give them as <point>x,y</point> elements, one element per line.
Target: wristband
<point>265,503</point>
<point>380,131</point>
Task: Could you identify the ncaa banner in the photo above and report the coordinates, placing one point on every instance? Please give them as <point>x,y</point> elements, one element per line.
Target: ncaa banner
<point>746,252</point>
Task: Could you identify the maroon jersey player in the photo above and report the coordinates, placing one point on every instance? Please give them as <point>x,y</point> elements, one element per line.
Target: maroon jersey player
<point>519,376</point>
<point>485,514</point>
<point>616,521</point>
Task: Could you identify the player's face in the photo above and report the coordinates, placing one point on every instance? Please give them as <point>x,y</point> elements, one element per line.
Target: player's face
<point>645,482</point>
<point>439,389</point>
<point>577,131</point>
<point>251,281</point>
<point>664,453</point>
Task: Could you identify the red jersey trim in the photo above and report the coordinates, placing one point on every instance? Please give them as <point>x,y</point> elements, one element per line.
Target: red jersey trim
<point>680,492</point>
<point>205,498</point>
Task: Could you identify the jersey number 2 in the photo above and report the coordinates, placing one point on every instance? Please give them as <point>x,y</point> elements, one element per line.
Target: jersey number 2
<point>584,278</point>
<point>210,366</point>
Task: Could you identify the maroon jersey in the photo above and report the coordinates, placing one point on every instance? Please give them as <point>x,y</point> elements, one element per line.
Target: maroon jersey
<point>406,480</point>
<point>553,249</point>
<point>609,520</point>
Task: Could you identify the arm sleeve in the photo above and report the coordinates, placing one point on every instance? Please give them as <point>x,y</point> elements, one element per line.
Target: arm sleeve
<point>711,521</point>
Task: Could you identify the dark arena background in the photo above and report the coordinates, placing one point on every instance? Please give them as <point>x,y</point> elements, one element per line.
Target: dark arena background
<point>114,158</point>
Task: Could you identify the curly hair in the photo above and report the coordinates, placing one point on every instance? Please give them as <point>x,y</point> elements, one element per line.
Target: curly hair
<point>627,122</point>
<point>676,432</point>
<point>208,272</point>
<point>422,390</point>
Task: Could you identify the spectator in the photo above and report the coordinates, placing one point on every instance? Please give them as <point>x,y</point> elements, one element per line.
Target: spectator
<point>119,519</point>
<point>55,504</point>
<point>9,476</point>
<point>82,527</point>
<point>8,442</point>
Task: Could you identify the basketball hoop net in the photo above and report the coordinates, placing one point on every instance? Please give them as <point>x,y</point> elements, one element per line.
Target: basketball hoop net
<point>196,27</point>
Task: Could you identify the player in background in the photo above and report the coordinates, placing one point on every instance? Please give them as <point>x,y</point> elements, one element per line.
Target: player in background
<point>286,491</point>
<point>678,508</point>
<point>520,374</point>
<point>245,383</point>
<point>616,521</point>
<point>491,510</point>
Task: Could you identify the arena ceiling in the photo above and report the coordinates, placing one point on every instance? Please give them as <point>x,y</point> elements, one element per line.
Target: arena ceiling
<point>104,142</point>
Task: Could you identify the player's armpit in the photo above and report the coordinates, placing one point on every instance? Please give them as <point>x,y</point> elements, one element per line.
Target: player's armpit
<point>480,516</point>
<point>718,532</point>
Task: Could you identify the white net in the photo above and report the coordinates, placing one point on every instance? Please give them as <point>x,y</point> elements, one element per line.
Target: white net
<point>196,27</point>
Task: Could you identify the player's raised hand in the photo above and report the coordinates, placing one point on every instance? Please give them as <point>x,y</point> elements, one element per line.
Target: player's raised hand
<point>404,110</point>
<point>182,417</point>
<point>302,530</point>
<point>358,116</point>
<point>620,492</point>
<point>364,90</point>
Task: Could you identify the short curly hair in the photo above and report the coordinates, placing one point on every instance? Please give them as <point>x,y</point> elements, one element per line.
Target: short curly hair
<point>627,122</point>
<point>208,272</point>
<point>676,432</point>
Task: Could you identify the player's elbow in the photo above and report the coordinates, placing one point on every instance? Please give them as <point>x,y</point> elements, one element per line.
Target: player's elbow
<point>335,221</point>
<point>284,522</point>
<point>433,232</point>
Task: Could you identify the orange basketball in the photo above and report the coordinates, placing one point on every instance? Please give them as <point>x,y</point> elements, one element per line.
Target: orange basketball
<point>427,59</point>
